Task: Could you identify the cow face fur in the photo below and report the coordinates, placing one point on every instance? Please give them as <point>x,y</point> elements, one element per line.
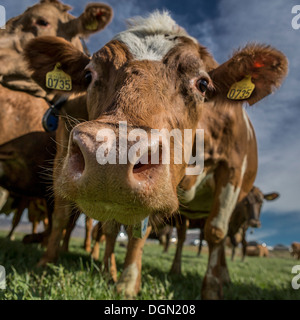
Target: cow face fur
<point>151,76</point>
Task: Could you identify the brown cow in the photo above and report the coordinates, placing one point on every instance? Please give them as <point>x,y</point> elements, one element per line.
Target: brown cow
<point>245,215</point>
<point>258,250</point>
<point>154,75</point>
<point>21,113</point>
<point>37,212</point>
<point>295,250</point>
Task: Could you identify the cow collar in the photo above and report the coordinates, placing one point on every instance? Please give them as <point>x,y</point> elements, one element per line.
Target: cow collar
<point>50,118</point>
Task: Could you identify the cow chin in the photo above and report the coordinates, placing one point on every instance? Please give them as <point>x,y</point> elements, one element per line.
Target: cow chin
<point>107,196</point>
<point>124,214</point>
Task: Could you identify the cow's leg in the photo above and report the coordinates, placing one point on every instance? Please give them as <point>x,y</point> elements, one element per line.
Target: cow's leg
<point>234,245</point>
<point>181,226</point>
<point>167,243</point>
<point>244,246</point>
<point>96,247</point>
<point>111,230</point>
<point>88,234</point>
<point>130,281</point>
<point>22,204</point>
<point>43,236</point>
<point>227,191</point>
<point>60,219</point>
<point>46,223</point>
<point>225,278</point>
<point>201,238</point>
<point>70,227</point>
<point>35,225</point>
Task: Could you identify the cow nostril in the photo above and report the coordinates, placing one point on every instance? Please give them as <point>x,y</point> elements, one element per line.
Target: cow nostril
<point>76,161</point>
<point>145,171</point>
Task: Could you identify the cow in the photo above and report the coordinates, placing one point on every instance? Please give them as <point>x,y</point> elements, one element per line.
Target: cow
<point>163,235</point>
<point>37,212</point>
<point>257,250</point>
<point>23,102</point>
<point>24,166</point>
<point>295,250</point>
<point>155,76</point>
<point>245,215</point>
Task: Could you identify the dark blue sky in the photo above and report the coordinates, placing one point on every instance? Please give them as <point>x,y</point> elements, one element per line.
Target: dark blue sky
<point>223,26</point>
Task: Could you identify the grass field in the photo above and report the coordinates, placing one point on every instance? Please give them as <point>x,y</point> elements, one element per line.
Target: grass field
<point>77,277</point>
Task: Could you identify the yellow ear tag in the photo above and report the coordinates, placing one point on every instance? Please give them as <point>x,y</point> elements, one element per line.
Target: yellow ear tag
<point>92,26</point>
<point>241,90</point>
<point>58,79</point>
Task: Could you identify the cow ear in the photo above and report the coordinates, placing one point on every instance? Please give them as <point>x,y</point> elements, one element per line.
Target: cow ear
<point>271,196</point>
<point>263,65</point>
<point>95,18</point>
<point>44,53</point>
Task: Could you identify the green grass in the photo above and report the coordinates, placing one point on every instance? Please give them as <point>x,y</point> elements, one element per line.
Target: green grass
<point>77,277</point>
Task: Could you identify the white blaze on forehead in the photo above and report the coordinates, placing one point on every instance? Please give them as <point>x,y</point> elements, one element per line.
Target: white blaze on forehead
<point>248,125</point>
<point>228,200</point>
<point>151,38</point>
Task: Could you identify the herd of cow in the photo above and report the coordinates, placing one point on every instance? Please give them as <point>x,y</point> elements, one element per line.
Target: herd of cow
<point>153,75</point>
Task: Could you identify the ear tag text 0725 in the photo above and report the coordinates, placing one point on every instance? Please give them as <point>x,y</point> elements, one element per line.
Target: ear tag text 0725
<point>241,90</point>
<point>58,79</point>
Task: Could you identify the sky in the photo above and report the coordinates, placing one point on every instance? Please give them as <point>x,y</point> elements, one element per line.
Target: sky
<point>223,26</point>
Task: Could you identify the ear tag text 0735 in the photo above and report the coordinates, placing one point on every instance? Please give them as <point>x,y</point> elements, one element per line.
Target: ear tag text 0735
<point>58,79</point>
<point>241,90</point>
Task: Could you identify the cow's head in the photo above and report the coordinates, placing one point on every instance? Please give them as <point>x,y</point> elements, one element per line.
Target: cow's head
<point>252,205</point>
<point>153,76</point>
<point>49,17</point>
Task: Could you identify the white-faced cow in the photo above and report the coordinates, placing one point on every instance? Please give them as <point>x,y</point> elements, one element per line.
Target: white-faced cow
<point>21,100</point>
<point>155,76</point>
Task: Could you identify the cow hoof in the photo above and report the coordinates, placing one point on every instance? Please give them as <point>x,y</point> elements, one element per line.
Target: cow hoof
<point>211,295</point>
<point>95,255</point>
<point>28,239</point>
<point>211,289</point>
<point>64,249</point>
<point>225,276</point>
<point>34,238</point>
<point>128,283</point>
<point>44,261</point>
<point>176,269</point>
<point>88,249</point>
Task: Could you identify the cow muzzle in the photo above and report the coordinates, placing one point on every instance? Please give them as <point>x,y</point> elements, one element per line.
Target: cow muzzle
<point>102,168</point>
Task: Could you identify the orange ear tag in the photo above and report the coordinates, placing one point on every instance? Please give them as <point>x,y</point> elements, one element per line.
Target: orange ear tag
<point>58,79</point>
<point>241,90</point>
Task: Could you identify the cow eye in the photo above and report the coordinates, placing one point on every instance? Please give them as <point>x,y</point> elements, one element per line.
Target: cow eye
<point>42,23</point>
<point>88,77</point>
<point>202,85</point>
